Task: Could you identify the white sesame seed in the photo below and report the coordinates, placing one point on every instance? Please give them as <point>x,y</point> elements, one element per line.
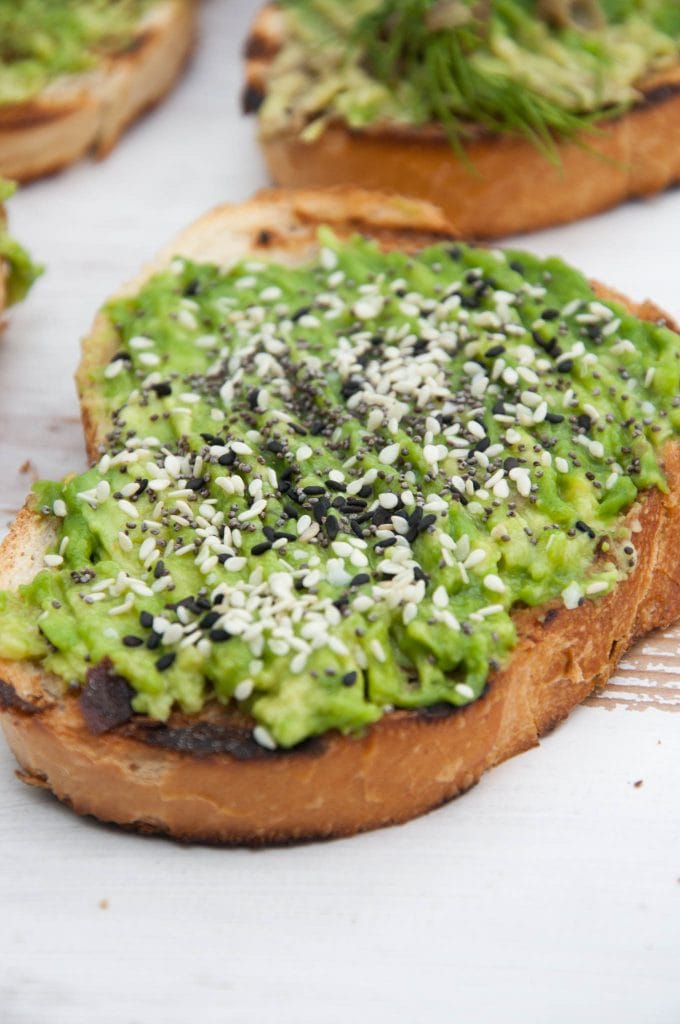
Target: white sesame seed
<point>149,359</point>
<point>409,613</point>
<point>173,634</point>
<point>303,453</point>
<point>59,508</point>
<point>571,595</point>
<point>440,598</point>
<point>475,557</point>
<point>303,523</point>
<point>378,651</point>
<point>265,739</point>
<point>368,308</point>
<point>561,465</point>
<point>494,583</point>
<point>358,559</point>
<point>53,561</point>
<point>128,508</point>
<point>465,691</point>
<point>234,564</point>
<point>113,369</point>
<point>328,258</point>
<point>389,454</point>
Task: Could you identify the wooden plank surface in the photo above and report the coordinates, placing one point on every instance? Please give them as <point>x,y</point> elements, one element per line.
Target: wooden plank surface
<point>550,893</point>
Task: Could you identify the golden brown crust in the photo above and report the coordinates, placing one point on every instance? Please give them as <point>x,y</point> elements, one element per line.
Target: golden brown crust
<point>82,113</point>
<point>506,186</point>
<point>409,762</point>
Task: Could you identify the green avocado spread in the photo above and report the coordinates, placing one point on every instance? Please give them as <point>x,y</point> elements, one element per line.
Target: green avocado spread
<point>539,68</point>
<point>326,487</point>
<point>41,40</point>
<point>19,270</point>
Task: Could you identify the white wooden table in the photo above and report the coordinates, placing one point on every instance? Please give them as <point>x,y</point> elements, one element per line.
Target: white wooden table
<point>550,893</point>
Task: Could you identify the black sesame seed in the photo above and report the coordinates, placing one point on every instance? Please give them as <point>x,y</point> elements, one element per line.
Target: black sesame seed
<point>153,641</point>
<point>227,459</point>
<point>554,417</point>
<point>219,636</point>
<point>302,311</point>
<point>314,489</point>
<point>162,390</point>
<point>386,542</point>
<point>209,620</point>
<point>165,661</point>
<point>332,527</point>
<point>584,421</point>
<point>360,579</point>
<point>146,620</point>
<point>159,569</point>
<point>426,522</point>
<point>495,350</point>
<point>565,366</point>
<point>355,527</point>
<point>260,549</point>
<point>550,314</point>
<point>584,528</point>
<point>133,641</point>
<point>349,679</point>
<point>335,485</point>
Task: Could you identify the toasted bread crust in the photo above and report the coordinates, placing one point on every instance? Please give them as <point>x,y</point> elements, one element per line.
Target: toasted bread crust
<point>86,113</point>
<point>506,186</point>
<point>407,763</point>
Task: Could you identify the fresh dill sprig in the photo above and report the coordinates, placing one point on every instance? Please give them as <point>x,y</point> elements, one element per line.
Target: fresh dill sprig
<point>398,43</point>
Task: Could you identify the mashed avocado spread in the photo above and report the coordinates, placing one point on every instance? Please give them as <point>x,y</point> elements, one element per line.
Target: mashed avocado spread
<point>41,40</point>
<point>20,271</point>
<point>540,68</point>
<point>326,487</point>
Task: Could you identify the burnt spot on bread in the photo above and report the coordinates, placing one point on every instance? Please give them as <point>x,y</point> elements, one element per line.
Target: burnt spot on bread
<point>659,94</point>
<point>550,616</point>
<point>260,46</point>
<point>11,701</point>
<point>106,699</point>
<point>206,739</point>
<point>264,238</point>
<point>252,99</point>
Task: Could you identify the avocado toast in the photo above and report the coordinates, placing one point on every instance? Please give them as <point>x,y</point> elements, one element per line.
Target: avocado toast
<point>510,114</point>
<point>371,511</point>
<point>73,75</point>
<point>17,271</point>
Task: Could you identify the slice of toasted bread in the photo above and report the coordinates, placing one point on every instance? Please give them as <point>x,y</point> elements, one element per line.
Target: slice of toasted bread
<point>82,113</point>
<point>505,185</point>
<point>202,777</point>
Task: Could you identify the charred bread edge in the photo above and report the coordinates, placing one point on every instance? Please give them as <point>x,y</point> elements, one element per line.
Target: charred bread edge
<point>512,188</point>
<point>81,113</point>
<point>407,763</point>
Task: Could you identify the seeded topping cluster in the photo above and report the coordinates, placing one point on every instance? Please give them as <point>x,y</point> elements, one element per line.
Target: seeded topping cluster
<point>325,487</point>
